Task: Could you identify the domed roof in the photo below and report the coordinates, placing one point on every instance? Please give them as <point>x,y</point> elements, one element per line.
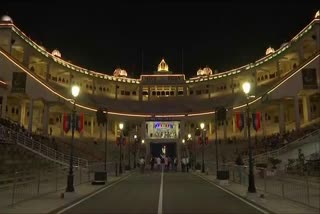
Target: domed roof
<point>6,18</point>
<point>163,66</point>
<point>207,70</point>
<point>204,72</point>
<point>270,50</point>
<point>317,14</point>
<point>120,73</point>
<point>57,53</point>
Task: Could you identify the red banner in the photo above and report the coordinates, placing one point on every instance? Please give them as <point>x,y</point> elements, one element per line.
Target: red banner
<point>256,118</point>
<point>66,122</point>
<point>240,120</point>
<point>80,122</point>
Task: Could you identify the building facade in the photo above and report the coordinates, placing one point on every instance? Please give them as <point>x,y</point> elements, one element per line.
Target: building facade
<point>164,107</point>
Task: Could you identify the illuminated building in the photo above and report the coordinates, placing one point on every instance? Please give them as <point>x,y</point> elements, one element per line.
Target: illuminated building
<point>165,106</point>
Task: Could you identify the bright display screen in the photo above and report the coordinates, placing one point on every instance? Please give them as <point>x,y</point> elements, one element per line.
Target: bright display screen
<point>162,129</point>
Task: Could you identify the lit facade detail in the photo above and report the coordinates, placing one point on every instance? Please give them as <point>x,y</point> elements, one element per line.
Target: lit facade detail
<point>163,66</point>
<point>270,50</point>
<point>56,53</point>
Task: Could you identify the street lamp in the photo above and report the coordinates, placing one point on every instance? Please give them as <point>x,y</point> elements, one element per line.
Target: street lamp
<point>251,188</point>
<point>75,92</point>
<point>135,137</point>
<point>202,142</point>
<point>121,138</point>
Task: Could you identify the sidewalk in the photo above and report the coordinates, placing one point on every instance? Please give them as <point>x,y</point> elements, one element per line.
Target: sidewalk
<point>53,201</point>
<point>270,202</point>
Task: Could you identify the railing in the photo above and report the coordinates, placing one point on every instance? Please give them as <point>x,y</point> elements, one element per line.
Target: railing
<point>285,148</point>
<point>36,147</point>
<point>24,185</point>
<point>301,189</point>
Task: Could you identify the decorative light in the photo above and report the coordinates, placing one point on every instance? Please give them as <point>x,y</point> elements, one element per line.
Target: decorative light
<point>183,141</point>
<point>246,87</point>
<point>135,136</point>
<point>6,18</point>
<point>189,136</point>
<point>142,141</point>
<point>121,126</point>
<point>202,125</point>
<point>75,90</point>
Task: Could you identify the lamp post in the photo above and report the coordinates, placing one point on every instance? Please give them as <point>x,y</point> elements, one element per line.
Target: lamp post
<point>106,141</point>
<point>75,92</point>
<point>251,188</point>
<point>120,144</point>
<point>135,137</point>
<point>202,142</point>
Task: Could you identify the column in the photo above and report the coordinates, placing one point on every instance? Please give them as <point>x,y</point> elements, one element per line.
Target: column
<point>61,125</point>
<point>45,119</point>
<point>184,90</point>
<point>263,123</point>
<point>148,93</point>
<point>93,86</point>
<point>306,109</point>
<point>140,92</point>
<point>4,105</point>
<point>22,113</point>
<point>296,112</point>
<point>232,82</point>
<point>233,123</point>
<point>48,71</point>
<point>176,91</point>
<point>300,53</point>
<point>91,126</point>
<point>282,126</point>
<point>278,74</point>
<point>26,55</point>
<point>116,92</point>
<point>181,136</point>
<point>30,115</point>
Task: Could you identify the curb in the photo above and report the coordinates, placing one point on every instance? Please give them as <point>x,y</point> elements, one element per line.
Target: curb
<point>227,190</point>
<point>86,195</point>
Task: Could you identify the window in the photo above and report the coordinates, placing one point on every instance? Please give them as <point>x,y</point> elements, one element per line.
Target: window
<point>134,93</point>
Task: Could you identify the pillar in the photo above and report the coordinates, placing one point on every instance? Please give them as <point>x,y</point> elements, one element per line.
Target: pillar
<point>30,115</point>
<point>233,123</point>
<point>45,119</point>
<point>22,113</point>
<point>282,126</point>
<point>93,86</point>
<point>26,55</point>
<point>116,92</point>
<point>140,92</point>
<point>91,127</point>
<point>61,125</point>
<point>300,53</point>
<point>296,112</point>
<point>148,93</point>
<point>4,105</point>
<point>306,109</point>
<point>48,71</point>
<point>225,136</point>
<point>263,123</point>
<point>184,90</point>
<point>278,74</point>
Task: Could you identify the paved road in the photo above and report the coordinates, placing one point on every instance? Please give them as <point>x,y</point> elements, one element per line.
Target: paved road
<point>182,193</point>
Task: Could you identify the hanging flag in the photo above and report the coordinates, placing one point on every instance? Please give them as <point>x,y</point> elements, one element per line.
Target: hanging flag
<point>79,122</point>
<point>256,118</point>
<point>240,120</point>
<point>66,122</point>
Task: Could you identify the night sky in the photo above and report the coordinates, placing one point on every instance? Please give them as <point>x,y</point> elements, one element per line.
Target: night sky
<point>102,35</point>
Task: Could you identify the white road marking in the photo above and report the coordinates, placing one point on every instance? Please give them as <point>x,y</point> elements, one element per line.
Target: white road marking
<point>236,196</point>
<point>91,195</point>
<point>160,194</point>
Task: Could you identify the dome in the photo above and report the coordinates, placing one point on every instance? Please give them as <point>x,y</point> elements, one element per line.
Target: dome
<point>57,53</point>
<point>317,14</point>
<point>163,66</point>
<point>6,18</point>
<point>207,71</point>
<point>204,72</point>
<point>199,72</point>
<point>270,50</point>
<point>120,73</point>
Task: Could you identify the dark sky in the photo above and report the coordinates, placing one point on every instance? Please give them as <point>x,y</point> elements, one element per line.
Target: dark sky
<point>103,35</point>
